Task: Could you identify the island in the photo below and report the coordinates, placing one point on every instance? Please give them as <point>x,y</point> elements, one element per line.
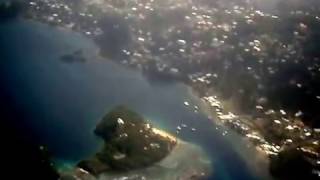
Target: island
<point>257,70</point>
<point>134,148</point>
<point>129,143</point>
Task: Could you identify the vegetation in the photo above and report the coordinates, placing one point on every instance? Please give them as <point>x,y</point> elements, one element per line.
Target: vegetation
<point>130,143</point>
<point>292,164</point>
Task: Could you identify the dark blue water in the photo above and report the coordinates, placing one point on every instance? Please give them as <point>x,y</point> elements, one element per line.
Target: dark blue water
<point>63,102</point>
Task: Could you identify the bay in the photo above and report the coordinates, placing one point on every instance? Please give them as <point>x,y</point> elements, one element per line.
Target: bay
<point>63,102</point>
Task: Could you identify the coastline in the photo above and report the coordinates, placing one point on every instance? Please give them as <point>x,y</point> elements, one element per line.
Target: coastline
<point>259,161</point>
<point>205,107</point>
<point>185,161</point>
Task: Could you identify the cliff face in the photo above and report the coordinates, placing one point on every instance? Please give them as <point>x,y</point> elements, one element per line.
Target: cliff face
<point>129,143</point>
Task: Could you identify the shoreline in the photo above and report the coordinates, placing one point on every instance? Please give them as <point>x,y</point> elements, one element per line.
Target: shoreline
<point>186,161</point>
<point>259,159</point>
<point>205,107</point>
<point>228,116</point>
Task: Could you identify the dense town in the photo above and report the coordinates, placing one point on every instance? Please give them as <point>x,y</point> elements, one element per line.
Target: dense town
<point>238,57</point>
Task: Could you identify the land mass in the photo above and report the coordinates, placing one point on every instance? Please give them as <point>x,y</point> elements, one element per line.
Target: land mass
<point>133,149</point>
<point>130,142</point>
<point>264,64</point>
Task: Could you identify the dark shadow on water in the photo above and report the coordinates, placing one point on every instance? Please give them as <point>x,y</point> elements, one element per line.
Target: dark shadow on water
<point>77,56</point>
<point>10,10</point>
<point>22,156</point>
